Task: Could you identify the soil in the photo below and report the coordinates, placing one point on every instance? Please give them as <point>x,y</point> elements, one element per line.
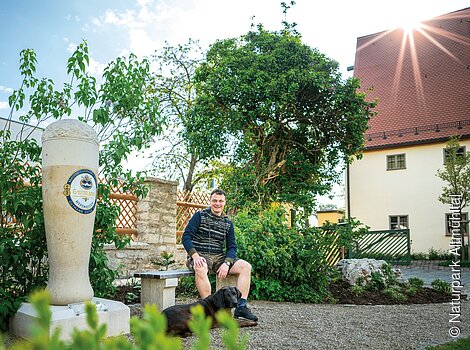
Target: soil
<point>341,292</point>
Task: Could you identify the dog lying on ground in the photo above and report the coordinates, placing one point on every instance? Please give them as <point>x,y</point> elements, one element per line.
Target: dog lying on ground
<point>178,316</point>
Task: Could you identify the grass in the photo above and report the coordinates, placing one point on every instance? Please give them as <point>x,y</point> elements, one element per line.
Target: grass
<point>460,344</point>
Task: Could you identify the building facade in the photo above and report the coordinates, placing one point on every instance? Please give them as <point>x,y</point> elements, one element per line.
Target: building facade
<point>421,82</point>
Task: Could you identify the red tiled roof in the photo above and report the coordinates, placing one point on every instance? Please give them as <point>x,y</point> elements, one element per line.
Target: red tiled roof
<point>421,81</point>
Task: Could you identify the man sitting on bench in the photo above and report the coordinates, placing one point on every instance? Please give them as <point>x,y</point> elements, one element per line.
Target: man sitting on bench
<point>209,239</point>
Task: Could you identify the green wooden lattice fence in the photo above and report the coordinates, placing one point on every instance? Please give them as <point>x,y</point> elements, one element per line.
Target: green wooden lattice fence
<point>392,246</point>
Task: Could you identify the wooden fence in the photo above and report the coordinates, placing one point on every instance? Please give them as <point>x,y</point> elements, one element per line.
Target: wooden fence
<point>126,223</point>
<point>334,252</point>
<point>393,246</point>
<point>187,203</point>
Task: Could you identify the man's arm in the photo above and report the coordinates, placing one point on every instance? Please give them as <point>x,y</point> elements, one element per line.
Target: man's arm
<point>189,232</point>
<point>230,244</point>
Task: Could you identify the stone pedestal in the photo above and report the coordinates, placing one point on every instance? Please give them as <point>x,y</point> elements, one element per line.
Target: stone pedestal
<point>229,281</point>
<point>159,291</point>
<point>116,318</point>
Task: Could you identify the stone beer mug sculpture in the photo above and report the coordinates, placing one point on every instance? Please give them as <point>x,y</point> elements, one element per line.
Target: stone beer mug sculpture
<point>69,190</point>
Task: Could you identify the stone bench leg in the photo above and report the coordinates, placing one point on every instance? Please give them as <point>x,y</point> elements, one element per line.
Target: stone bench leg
<point>158,291</point>
<point>229,281</point>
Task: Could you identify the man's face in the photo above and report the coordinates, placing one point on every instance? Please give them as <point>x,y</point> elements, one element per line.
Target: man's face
<point>217,204</point>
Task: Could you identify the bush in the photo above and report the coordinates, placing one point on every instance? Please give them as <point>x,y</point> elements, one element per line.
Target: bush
<point>395,292</point>
<point>148,332</point>
<point>288,264</point>
<point>441,286</point>
<point>439,255</point>
<point>416,282</point>
<point>23,252</point>
<point>377,281</point>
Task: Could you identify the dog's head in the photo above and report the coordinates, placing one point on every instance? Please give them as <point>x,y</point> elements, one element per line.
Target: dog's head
<point>227,297</point>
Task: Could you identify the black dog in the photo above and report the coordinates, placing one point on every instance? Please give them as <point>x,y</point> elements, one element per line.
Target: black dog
<point>178,316</point>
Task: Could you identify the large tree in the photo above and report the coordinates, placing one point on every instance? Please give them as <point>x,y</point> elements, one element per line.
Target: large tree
<point>284,110</point>
<point>175,88</point>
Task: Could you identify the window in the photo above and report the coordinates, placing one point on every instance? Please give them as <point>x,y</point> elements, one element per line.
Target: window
<point>396,161</point>
<point>459,153</point>
<point>463,226</point>
<point>398,222</point>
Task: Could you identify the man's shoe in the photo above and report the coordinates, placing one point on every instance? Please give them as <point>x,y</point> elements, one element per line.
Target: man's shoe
<point>244,312</point>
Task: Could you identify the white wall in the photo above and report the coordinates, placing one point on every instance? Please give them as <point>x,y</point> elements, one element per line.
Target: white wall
<point>376,193</point>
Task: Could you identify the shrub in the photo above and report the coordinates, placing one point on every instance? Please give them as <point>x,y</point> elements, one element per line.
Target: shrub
<point>416,282</point>
<point>435,254</point>
<point>288,264</point>
<point>23,252</point>
<point>411,290</point>
<point>377,281</point>
<point>395,292</point>
<point>441,286</point>
<point>357,289</point>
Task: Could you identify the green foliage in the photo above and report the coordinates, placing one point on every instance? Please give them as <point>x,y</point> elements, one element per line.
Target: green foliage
<point>200,326</point>
<point>419,256</point>
<point>388,274</point>
<point>175,87</point>
<point>395,292</point>
<point>123,112</point>
<point>148,333</point>
<point>456,173</point>
<point>164,261</point>
<point>231,334</point>
<point>187,287</point>
<point>377,281</point>
<point>23,253</point>
<point>284,110</point>
<point>435,254</point>
<point>416,282</point>
<point>441,286</point>
<point>411,290</point>
<point>357,289</point>
<point>456,176</point>
<point>457,344</point>
<point>289,264</point>
<point>361,281</point>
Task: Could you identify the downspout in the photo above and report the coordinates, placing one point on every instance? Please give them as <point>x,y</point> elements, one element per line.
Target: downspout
<point>348,192</point>
<point>348,203</point>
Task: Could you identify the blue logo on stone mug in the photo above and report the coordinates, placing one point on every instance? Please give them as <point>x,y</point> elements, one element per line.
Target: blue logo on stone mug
<point>86,182</point>
<point>81,191</point>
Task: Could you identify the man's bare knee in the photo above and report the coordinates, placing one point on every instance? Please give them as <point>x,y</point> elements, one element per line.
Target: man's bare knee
<point>201,271</point>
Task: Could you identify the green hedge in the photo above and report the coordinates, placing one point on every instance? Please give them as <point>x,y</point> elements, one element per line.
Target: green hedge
<point>289,264</point>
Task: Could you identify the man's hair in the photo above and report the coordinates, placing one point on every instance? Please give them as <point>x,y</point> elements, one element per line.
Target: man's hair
<point>218,192</point>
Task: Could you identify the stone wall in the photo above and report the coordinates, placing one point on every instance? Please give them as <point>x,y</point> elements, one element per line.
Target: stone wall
<point>156,227</point>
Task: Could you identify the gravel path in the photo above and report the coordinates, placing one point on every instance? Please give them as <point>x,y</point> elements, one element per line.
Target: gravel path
<point>312,326</point>
<point>320,326</point>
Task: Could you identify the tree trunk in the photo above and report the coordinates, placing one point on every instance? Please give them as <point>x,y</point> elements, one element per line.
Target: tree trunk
<point>188,184</point>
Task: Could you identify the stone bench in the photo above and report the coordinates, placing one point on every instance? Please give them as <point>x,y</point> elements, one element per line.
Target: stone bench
<point>158,287</point>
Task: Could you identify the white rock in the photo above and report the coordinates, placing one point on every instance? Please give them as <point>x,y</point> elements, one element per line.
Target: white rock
<point>352,269</point>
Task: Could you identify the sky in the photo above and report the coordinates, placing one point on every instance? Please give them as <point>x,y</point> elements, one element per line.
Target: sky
<point>113,28</point>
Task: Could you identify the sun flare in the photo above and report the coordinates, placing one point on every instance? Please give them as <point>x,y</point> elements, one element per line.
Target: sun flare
<point>410,26</point>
